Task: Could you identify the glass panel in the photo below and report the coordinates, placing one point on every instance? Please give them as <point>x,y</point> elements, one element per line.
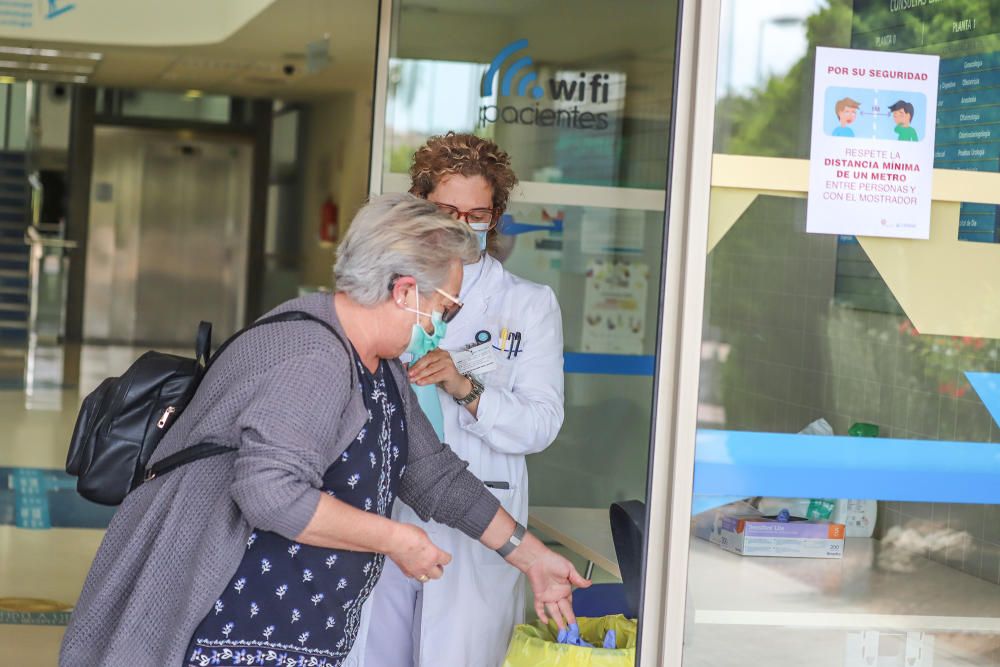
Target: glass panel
<point>191,105</point>
<point>4,92</point>
<point>577,95</point>
<point>283,229</point>
<point>609,320</point>
<point>17,140</point>
<point>809,336</point>
<point>284,145</point>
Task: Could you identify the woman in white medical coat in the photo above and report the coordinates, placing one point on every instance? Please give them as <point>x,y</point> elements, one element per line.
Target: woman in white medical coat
<point>498,380</point>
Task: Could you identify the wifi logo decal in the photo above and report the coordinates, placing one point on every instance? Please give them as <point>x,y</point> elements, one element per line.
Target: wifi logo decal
<point>573,100</point>
<point>507,82</point>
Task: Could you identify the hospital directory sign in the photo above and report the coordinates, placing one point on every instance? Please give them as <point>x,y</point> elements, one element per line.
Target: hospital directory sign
<point>968,132</point>
<point>872,153</point>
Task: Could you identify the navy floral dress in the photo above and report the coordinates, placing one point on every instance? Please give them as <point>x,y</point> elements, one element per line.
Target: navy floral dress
<point>294,605</point>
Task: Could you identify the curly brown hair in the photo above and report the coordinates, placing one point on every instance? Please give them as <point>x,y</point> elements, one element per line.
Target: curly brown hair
<point>464,155</point>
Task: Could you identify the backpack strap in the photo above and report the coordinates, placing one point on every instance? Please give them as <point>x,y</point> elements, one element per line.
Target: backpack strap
<point>287,316</point>
<point>203,450</point>
<point>203,344</point>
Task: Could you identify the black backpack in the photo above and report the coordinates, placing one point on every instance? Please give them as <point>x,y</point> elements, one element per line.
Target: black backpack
<point>123,420</point>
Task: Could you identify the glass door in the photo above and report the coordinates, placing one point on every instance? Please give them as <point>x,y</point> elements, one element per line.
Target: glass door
<point>580,95</point>
<point>844,501</point>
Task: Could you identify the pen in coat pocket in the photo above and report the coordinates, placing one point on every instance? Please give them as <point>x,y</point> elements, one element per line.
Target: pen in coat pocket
<point>497,485</point>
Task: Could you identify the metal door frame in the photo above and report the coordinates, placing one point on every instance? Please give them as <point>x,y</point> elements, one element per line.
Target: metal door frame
<point>675,416</point>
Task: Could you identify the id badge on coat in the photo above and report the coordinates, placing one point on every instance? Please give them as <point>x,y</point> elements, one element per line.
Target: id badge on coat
<point>477,360</point>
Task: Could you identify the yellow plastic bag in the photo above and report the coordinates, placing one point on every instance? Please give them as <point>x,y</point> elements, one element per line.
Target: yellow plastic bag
<point>534,645</point>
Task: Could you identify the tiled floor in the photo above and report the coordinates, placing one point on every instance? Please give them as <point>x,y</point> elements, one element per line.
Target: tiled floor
<point>44,564</point>
<point>38,564</point>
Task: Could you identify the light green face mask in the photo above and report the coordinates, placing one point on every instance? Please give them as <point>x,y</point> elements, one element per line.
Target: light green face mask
<point>422,342</point>
<point>482,230</point>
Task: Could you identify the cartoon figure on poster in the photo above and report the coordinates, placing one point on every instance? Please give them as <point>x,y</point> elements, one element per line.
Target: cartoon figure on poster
<point>847,112</point>
<point>862,113</point>
<point>902,114</point>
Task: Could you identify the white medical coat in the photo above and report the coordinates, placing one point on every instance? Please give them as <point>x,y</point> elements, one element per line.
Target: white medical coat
<point>468,615</point>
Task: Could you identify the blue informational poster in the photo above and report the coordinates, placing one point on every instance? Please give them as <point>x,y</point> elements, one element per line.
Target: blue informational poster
<point>968,132</point>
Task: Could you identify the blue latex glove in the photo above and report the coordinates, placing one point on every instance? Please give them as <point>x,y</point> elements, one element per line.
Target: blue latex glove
<point>611,639</point>
<point>427,397</point>
<point>571,635</point>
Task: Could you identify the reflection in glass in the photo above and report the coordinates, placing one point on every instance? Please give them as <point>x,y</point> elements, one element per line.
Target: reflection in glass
<point>801,327</point>
<point>578,95</point>
<point>600,263</point>
<point>43,376</point>
<point>575,94</point>
<point>190,105</point>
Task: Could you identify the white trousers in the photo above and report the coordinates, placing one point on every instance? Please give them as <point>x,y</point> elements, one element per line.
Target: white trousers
<point>394,635</point>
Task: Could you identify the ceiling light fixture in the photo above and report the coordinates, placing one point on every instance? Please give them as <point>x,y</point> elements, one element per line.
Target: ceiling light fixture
<point>51,53</point>
<point>44,67</point>
<point>11,76</point>
<point>194,94</point>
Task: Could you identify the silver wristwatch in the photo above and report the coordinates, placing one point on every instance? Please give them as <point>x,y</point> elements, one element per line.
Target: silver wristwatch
<point>514,541</point>
<point>477,391</point>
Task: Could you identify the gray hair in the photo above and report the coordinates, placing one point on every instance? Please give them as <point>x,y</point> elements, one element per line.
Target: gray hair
<point>400,235</point>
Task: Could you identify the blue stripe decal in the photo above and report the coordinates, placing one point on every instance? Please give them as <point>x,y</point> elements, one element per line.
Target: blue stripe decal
<point>987,385</point>
<point>608,364</point>
<point>701,504</point>
<point>745,464</point>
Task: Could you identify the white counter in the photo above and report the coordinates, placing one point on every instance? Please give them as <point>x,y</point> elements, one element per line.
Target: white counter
<point>795,611</point>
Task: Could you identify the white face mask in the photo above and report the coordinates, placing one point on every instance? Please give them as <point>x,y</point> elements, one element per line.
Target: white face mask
<point>482,230</point>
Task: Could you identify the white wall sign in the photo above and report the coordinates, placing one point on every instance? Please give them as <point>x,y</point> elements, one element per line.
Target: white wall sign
<point>872,143</point>
<point>614,306</point>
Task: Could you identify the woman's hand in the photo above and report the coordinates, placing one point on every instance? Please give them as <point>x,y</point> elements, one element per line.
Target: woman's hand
<point>415,554</point>
<point>552,579</point>
<point>437,367</point>
<point>551,576</point>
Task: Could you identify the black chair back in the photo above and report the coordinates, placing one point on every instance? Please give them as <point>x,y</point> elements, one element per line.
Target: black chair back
<point>628,526</point>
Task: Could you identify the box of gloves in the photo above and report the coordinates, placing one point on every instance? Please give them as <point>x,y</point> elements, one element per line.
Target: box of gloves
<point>774,536</point>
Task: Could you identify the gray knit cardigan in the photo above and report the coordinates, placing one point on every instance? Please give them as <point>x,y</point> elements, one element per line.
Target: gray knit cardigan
<point>286,396</point>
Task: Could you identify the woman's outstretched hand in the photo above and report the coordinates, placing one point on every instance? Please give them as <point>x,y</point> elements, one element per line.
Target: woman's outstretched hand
<point>552,580</point>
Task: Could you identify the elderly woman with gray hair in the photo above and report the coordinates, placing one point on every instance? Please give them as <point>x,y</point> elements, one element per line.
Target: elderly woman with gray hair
<point>265,556</point>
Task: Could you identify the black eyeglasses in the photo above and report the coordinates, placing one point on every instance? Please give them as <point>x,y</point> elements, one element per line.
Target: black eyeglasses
<point>449,312</point>
<point>452,311</point>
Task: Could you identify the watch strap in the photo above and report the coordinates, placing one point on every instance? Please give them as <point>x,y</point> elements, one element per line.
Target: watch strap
<point>476,392</point>
<point>514,541</point>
